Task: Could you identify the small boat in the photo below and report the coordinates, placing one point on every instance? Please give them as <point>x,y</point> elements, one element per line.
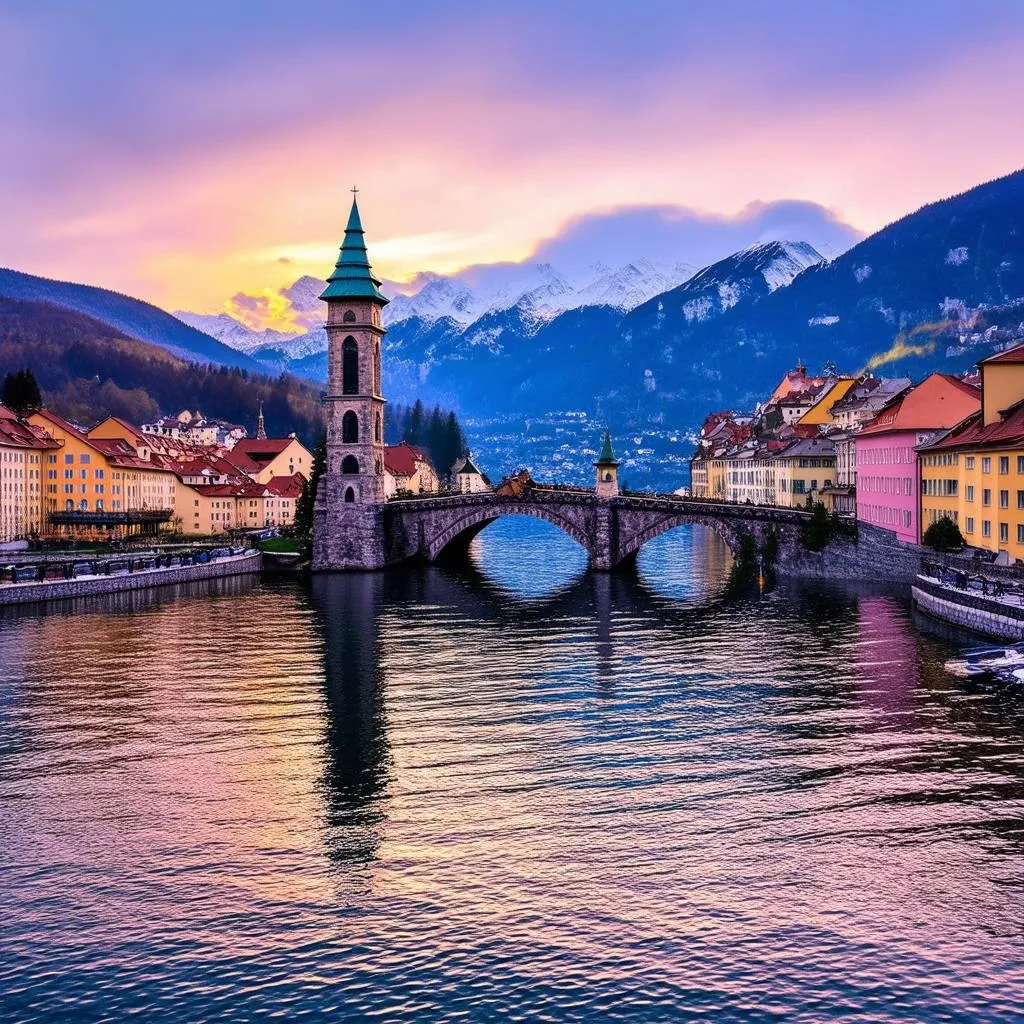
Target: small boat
<point>987,661</point>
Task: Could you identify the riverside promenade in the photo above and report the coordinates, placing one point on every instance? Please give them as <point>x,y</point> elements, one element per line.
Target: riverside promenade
<point>59,581</point>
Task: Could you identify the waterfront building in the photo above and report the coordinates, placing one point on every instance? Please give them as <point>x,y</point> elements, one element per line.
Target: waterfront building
<point>23,449</point>
<point>803,470</point>
<point>720,432</point>
<point>750,472</point>
<point>887,470</point>
<point>96,485</point>
<point>606,469</point>
<point>469,479</point>
<point>841,495</point>
<point>241,504</point>
<point>974,472</point>
<point>408,469</point>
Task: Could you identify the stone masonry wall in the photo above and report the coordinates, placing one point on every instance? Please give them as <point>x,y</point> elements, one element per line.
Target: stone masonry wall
<point>60,590</point>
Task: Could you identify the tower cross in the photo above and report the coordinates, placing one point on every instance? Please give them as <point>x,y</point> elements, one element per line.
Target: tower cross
<point>353,190</point>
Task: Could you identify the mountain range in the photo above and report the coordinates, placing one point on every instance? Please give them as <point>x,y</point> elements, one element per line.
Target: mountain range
<point>937,289</point>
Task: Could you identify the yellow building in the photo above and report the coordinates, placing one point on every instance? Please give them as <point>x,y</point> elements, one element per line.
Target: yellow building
<point>23,450</point>
<point>974,474</point>
<point>263,458</point>
<point>820,414</point>
<point>803,470</point>
<point>95,485</point>
<point>242,505</point>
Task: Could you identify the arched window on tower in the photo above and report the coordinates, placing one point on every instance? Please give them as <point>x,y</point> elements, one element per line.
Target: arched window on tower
<point>376,367</point>
<point>349,428</point>
<point>350,465</point>
<point>349,317</point>
<point>378,430</point>
<point>350,496</point>
<point>349,367</point>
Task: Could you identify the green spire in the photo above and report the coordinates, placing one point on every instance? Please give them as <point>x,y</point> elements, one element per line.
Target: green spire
<point>352,277</point>
<point>607,457</point>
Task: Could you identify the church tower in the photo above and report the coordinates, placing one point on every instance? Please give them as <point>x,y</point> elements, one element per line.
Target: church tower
<point>350,496</point>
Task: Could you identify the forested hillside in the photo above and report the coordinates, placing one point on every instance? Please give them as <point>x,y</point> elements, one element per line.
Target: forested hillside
<point>88,370</point>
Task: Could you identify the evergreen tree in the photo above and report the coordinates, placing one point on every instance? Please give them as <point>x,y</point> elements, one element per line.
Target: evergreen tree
<point>943,535</point>
<point>416,425</point>
<point>304,505</point>
<point>20,393</point>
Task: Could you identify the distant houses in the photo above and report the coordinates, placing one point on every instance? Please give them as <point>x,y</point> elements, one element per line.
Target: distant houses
<point>897,455</point>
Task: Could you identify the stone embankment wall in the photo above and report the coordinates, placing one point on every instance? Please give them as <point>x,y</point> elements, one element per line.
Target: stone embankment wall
<point>875,557</point>
<point>986,615</point>
<point>61,590</point>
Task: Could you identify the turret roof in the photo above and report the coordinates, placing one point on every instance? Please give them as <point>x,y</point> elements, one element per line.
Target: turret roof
<point>607,456</point>
<point>352,277</point>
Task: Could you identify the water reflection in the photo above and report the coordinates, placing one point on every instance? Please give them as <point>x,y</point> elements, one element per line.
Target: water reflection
<point>409,796</point>
<point>348,609</point>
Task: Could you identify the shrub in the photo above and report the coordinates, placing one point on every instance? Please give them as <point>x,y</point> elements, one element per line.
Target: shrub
<point>943,535</point>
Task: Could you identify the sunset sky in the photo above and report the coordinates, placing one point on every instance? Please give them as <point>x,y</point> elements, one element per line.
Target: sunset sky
<point>184,152</point>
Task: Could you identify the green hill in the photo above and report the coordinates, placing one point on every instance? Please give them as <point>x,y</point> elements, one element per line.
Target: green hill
<point>88,369</point>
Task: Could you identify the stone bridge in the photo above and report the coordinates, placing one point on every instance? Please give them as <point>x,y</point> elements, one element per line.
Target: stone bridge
<point>610,530</point>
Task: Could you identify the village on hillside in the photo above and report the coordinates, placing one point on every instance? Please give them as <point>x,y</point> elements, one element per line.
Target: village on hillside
<point>905,457</point>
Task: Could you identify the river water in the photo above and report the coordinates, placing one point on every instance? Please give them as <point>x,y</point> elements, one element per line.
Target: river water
<point>506,791</point>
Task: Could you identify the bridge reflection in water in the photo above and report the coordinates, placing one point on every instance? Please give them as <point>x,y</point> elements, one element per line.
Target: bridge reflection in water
<point>360,797</point>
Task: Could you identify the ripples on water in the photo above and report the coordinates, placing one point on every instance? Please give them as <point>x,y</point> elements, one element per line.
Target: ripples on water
<point>512,790</point>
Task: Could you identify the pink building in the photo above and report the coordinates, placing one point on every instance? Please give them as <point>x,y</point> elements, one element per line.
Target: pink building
<point>887,476</point>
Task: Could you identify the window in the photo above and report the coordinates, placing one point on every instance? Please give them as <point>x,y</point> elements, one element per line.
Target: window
<point>69,460</point>
<point>986,465</point>
<point>349,317</point>
<point>970,461</point>
<point>349,367</point>
<point>986,528</point>
<point>350,496</point>
<point>1004,464</point>
<point>969,524</point>
<point>1004,499</point>
<point>1004,533</point>
<point>970,492</point>
<point>349,465</point>
<point>986,496</point>
<point>1020,499</point>
<point>1020,533</point>
<point>349,428</point>
<point>84,459</point>
<point>1020,463</point>
<point>378,430</point>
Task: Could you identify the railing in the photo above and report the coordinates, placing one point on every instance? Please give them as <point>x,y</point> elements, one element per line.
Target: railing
<point>44,572</point>
<point>972,582</point>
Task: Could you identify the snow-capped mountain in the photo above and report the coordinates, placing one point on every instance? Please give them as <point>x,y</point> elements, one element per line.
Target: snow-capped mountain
<point>231,332</point>
<point>755,271</point>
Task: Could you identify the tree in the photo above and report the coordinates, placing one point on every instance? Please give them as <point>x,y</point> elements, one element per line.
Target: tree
<point>817,531</point>
<point>943,535</point>
<point>21,393</point>
<point>307,499</point>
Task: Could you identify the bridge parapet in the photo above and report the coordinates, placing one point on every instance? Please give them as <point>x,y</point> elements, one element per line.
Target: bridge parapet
<point>611,530</point>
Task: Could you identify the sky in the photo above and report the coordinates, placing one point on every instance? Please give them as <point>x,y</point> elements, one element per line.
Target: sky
<point>190,151</point>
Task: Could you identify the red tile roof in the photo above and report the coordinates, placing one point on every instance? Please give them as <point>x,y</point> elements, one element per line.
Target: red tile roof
<point>938,402</point>
<point>264,448</point>
<point>1006,432</point>
<point>15,433</point>
<point>1011,355</point>
<point>286,486</point>
<point>401,459</point>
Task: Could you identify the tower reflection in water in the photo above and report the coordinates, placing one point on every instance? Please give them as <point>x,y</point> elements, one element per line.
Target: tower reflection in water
<point>356,749</point>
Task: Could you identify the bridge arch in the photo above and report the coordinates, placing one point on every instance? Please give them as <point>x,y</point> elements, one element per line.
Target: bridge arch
<point>484,515</point>
<point>643,532</point>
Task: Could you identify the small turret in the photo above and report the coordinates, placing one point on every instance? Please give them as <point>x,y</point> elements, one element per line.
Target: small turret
<point>607,467</point>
